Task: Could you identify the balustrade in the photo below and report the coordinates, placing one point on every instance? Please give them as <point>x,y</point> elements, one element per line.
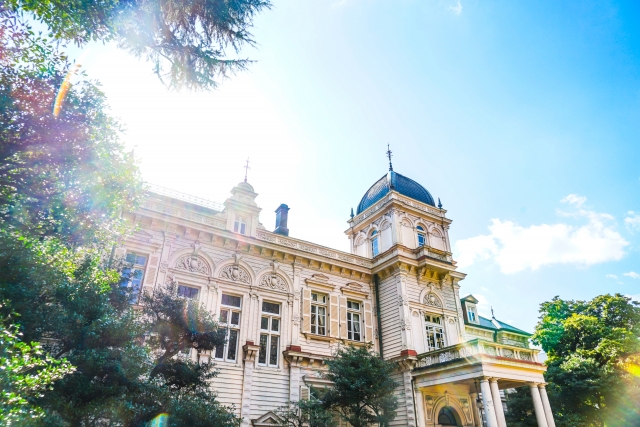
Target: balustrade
<point>475,348</point>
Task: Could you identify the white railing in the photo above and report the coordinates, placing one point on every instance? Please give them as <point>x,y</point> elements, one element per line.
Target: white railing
<point>474,348</point>
<point>163,191</point>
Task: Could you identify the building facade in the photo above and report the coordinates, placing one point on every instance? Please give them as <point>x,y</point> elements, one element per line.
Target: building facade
<point>288,304</point>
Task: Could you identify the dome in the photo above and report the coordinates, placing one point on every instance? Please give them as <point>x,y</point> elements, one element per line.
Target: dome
<point>246,186</point>
<point>401,184</point>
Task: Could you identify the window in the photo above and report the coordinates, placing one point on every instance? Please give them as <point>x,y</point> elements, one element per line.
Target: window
<point>187,292</point>
<point>471,314</point>
<point>353,321</point>
<point>132,275</point>
<point>435,332</point>
<point>240,226</point>
<point>269,334</point>
<point>421,236</point>
<point>318,314</point>
<point>374,243</point>
<point>230,320</point>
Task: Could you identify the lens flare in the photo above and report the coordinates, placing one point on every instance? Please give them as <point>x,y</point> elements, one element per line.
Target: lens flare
<point>633,369</point>
<point>161,420</point>
<point>64,88</point>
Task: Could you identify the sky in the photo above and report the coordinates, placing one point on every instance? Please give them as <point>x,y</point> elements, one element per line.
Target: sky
<point>522,117</point>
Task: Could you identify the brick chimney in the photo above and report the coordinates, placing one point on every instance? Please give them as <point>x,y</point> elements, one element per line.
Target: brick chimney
<point>282,214</point>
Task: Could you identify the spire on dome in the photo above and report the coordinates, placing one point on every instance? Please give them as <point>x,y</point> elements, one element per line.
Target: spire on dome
<point>352,213</point>
<point>246,170</point>
<point>439,203</point>
<point>389,156</point>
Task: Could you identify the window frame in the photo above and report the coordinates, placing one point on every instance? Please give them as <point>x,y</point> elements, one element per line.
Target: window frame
<point>270,334</point>
<point>196,297</point>
<point>435,334</point>
<point>240,225</point>
<point>315,325</point>
<point>375,245</point>
<point>351,333</point>
<point>135,267</point>
<point>472,312</point>
<point>422,234</point>
<point>230,328</point>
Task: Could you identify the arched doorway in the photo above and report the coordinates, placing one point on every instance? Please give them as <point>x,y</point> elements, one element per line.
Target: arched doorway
<point>448,417</point>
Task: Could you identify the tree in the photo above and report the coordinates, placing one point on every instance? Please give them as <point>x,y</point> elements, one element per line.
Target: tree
<point>593,350</point>
<point>363,387</point>
<point>25,372</point>
<point>305,413</point>
<point>186,40</point>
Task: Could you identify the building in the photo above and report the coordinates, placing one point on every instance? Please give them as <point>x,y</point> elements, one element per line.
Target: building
<point>288,304</point>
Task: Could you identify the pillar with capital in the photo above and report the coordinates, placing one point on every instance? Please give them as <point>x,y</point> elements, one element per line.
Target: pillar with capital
<point>497,402</point>
<point>250,351</point>
<point>537,405</point>
<point>546,405</point>
<point>487,403</point>
<point>477,419</point>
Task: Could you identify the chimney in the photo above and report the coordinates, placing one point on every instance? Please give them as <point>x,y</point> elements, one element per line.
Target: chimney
<point>282,214</point>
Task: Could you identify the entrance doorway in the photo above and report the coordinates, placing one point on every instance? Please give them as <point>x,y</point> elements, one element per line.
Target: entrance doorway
<point>448,417</point>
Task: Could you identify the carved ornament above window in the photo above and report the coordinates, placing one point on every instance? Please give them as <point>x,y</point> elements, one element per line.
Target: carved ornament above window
<point>194,264</point>
<point>235,273</point>
<point>432,300</point>
<point>275,282</point>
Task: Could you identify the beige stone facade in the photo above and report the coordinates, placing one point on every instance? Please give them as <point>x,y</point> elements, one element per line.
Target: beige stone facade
<point>289,304</point>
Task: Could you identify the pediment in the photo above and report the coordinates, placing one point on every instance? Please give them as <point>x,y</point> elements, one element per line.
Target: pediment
<point>267,420</point>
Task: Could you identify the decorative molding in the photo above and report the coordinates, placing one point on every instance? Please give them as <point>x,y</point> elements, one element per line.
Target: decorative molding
<point>403,300</point>
<point>405,324</point>
<point>194,264</point>
<point>432,300</point>
<point>235,273</point>
<point>275,282</point>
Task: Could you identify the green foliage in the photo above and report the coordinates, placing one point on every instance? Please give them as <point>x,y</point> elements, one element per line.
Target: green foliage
<point>26,372</point>
<point>520,408</point>
<point>593,348</point>
<point>186,40</point>
<point>305,413</point>
<point>65,176</point>
<point>363,387</point>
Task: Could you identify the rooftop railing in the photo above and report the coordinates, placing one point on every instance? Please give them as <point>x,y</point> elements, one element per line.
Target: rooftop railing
<point>163,191</point>
<point>474,348</point>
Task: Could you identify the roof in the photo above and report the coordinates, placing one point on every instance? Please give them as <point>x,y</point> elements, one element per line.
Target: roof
<point>496,325</point>
<point>397,182</point>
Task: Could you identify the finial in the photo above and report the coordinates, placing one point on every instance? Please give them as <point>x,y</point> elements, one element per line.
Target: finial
<point>389,156</point>
<point>246,170</point>
<point>352,213</point>
<point>492,313</point>
<point>439,203</point>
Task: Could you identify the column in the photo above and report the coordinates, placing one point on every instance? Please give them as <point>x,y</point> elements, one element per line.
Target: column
<point>546,405</point>
<point>487,403</point>
<point>477,419</point>
<point>408,396</point>
<point>250,352</point>
<point>419,407</point>
<point>497,402</point>
<point>537,405</point>
<point>294,378</point>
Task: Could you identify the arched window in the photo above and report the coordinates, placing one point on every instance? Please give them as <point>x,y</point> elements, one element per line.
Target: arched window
<point>421,236</point>
<point>446,417</point>
<point>374,244</point>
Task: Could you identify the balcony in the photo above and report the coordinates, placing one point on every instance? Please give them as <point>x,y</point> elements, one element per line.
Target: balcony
<point>478,349</point>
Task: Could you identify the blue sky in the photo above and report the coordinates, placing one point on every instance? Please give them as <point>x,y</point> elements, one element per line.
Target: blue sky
<point>523,117</point>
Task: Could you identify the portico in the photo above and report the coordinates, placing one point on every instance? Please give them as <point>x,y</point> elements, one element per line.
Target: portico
<point>460,384</point>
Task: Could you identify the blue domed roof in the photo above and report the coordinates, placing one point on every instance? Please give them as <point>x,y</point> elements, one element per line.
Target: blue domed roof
<point>401,184</point>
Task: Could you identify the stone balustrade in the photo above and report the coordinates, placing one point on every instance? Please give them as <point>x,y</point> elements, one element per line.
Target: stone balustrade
<point>476,348</point>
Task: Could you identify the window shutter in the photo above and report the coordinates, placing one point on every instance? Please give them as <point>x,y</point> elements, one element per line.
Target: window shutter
<point>306,310</point>
<point>333,315</point>
<point>343,317</point>
<point>368,322</point>
<point>305,393</point>
<point>151,274</point>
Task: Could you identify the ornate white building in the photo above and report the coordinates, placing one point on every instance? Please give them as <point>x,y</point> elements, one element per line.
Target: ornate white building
<point>288,304</point>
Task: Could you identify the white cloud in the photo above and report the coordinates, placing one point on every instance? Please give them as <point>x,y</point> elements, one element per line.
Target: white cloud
<point>516,248</point>
<point>574,199</point>
<point>484,307</point>
<point>632,221</point>
<point>632,274</point>
<point>457,9</point>
<point>612,276</point>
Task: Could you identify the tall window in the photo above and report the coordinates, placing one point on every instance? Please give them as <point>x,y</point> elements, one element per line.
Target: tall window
<point>132,275</point>
<point>374,243</point>
<point>435,332</point>
<point>353,321</point>
<point>318,314</point>
<point>240,226</point>
<point>269,334</point>
<point>471,313</point>
<point>230,320</point>
<point>421,236</point>
<point>187,292</point>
